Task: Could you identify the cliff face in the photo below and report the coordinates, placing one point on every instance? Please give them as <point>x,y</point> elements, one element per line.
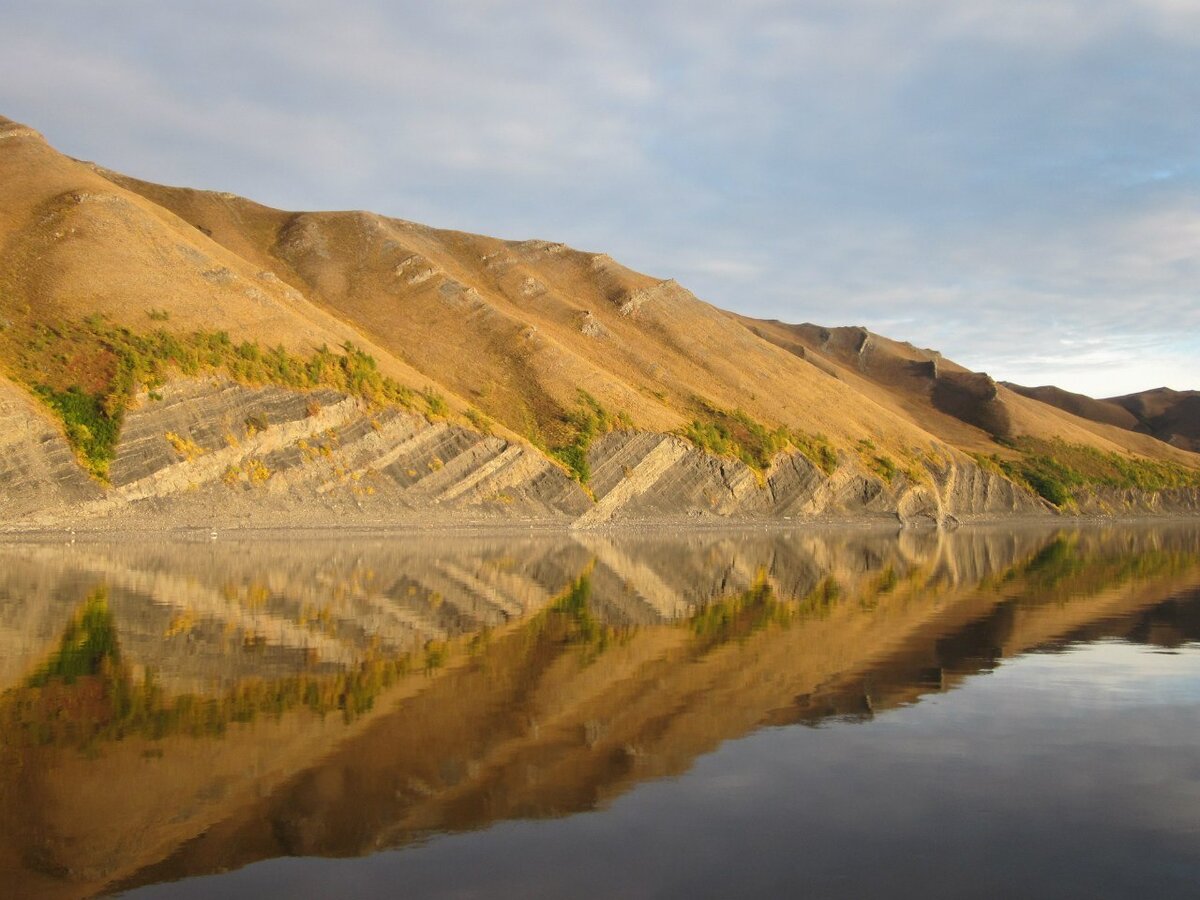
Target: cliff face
<point>213,453</point>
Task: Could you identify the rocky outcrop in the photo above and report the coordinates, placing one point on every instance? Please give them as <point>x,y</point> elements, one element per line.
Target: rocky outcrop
<point>646,478</point>
<point>211,453</point>
<point>37,468</point>
<point>215,453</point>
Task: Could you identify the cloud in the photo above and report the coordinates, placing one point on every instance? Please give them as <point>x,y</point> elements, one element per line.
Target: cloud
<point>990,177</point>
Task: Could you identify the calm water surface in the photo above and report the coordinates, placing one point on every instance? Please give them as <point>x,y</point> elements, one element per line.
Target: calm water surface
<point>982,713</point>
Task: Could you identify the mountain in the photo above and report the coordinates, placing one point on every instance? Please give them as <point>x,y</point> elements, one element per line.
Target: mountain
<point>1170,416</point>
<point>181,357</point>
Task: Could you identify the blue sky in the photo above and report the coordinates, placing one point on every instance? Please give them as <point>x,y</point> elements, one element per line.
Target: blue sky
<point>1013,182</point>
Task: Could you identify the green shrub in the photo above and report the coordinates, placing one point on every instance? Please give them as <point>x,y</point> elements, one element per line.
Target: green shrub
<point>90,427</point>
<point>574,457</point>
<point>479,421</point>
<point>125,361</point>
<point>584,424</point>
<point>883,466</point>
<point>435,403</point>
<point>817,449</point>
<point>736,434</point>
<point>1060,472</point>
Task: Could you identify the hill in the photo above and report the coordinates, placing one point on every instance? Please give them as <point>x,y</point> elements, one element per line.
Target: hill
<point>190,357</point>
<point>1170,416</point>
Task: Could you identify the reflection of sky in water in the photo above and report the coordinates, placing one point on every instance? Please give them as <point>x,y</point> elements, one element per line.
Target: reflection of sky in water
<point>1072,774</point>
<point>1105,674</point>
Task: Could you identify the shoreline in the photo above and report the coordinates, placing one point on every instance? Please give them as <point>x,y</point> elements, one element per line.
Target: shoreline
<point>206,533</point>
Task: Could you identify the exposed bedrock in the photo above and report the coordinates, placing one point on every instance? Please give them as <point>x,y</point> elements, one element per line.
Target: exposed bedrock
<point>641,477</point>
<point>37,468</point>
<point>212,453</point>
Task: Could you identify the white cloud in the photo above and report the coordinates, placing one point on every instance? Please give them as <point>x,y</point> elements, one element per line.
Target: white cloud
<point>993,178</point>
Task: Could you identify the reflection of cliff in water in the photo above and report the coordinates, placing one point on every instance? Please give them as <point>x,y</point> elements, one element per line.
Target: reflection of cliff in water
<point>541,678</point>
<point>205,615</point>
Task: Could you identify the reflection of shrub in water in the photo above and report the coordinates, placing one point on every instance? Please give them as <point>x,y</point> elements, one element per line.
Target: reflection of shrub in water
<point>88,645</point>
<point>582,628</point>
<point>1065,568</point>
<point>738,617</point>
<point>821,600</point>
<point>85,694</point>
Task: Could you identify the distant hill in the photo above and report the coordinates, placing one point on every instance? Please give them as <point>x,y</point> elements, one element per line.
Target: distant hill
<point>1169,416</point>
<point>212,359</point>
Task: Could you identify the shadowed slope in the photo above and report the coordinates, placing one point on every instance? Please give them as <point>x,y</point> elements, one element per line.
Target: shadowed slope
<point>944,396</point>
<point>1172,417</point>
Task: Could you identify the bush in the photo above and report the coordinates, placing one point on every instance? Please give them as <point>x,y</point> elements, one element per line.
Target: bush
<point>736,434</point>
<point>1060,472</point>
<point>123,361</point>
<point>585,423</point>
<point>817,449</point>
<point>90,427</point>
<point>884,466</point>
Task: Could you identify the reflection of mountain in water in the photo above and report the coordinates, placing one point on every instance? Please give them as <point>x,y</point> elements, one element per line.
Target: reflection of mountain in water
<point>541,677</point>
<point>206,615</point>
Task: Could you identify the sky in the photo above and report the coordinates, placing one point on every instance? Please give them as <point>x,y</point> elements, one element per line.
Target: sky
<point>1015,183</point>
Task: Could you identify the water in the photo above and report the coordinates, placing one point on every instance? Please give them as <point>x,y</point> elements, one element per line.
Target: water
<point>839,714</point>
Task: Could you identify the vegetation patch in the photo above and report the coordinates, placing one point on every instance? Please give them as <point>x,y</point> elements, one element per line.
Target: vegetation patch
<point>738,617</point>
<point>90,428</point>
<point>883,466</point>
<point>588,421</point>
<point>479,421</point>
<point>185,447</point>
<point>736,434</point>
<point>879,463</point>
<point>1063,473</point>
<point>87,373</point>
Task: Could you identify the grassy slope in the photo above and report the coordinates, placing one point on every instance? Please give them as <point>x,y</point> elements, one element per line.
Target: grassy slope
<point>74,244</point>
<point>520,327</point>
